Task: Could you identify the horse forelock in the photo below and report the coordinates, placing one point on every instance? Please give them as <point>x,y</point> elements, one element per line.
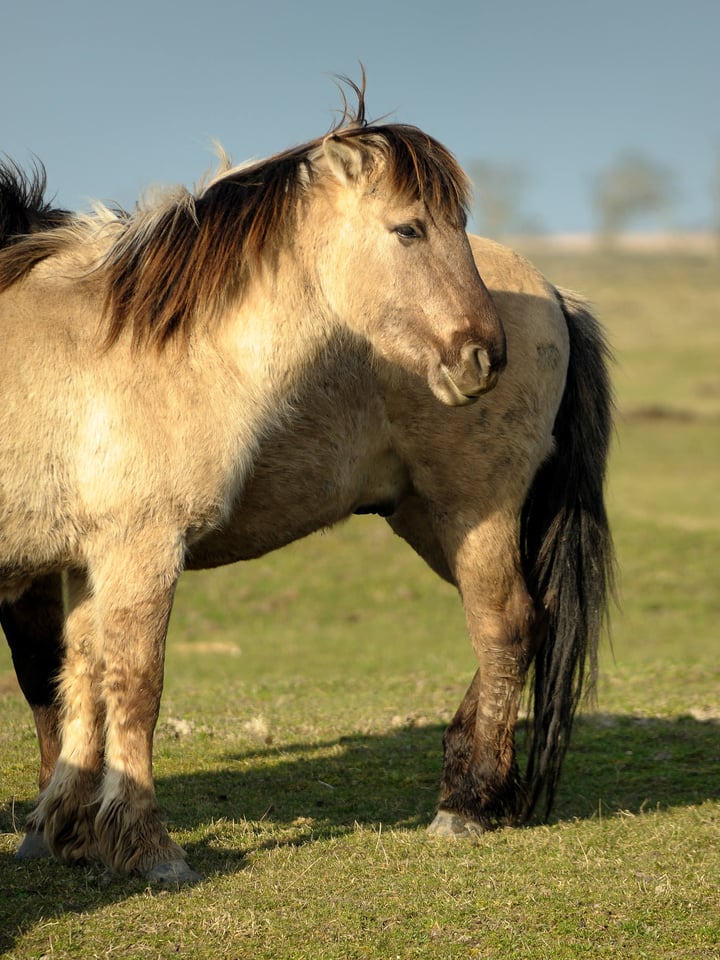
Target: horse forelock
<point>417,167</point>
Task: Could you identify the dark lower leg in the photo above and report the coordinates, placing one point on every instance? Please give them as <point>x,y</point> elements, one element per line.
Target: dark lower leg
<point>33,625</point>
<point>66,810</point>
<point>459,739</point>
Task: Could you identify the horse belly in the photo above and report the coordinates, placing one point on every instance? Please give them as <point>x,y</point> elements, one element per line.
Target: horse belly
<point>288,498</point>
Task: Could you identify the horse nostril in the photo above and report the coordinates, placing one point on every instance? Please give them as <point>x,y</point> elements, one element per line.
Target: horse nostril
<point>476,362</point>
<point>476,372</point>
<point>476,358</point>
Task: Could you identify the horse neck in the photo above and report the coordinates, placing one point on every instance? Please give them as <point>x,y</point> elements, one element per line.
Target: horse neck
<point>281,324</point>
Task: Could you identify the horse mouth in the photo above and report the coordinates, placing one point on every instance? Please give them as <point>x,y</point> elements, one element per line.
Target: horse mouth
<point>465,383</point>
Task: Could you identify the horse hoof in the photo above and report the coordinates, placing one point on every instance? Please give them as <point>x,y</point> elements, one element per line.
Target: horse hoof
<point>172,873</point>
<point>448,824</point>
<point>33,847</point>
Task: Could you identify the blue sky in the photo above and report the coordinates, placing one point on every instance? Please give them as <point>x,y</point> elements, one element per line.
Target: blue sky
<point>116,97</point>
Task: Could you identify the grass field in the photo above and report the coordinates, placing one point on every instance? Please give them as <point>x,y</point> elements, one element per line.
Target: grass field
<point>299,745</point>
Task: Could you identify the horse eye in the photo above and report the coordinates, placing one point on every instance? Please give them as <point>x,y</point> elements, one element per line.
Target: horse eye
<point>406,231</point>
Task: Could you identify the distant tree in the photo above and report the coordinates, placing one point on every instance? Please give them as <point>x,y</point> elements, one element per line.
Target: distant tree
<point>715,190</point>
<point>633,186</point>
<point>497,197</point>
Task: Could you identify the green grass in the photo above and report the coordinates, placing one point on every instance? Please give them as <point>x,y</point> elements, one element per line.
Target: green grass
<point>662,312</point>
<point>299,744</point>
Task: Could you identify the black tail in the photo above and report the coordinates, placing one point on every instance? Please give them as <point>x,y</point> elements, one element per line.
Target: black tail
<point>23,208</point>
<point>568,550</point>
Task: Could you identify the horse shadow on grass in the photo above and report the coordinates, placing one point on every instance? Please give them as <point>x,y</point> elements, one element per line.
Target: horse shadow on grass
<point>291,795</point>
<point>614,764</point>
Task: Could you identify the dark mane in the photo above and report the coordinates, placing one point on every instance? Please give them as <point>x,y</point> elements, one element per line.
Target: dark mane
<point>187,256</point>
<point>25,219</point>
<point>195,253</point>
<point>23,208</point>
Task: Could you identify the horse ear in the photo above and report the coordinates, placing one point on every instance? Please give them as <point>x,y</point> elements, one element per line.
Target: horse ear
<point>344,159</point>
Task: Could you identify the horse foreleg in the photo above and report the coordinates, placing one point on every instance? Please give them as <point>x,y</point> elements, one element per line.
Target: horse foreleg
<point>481,786</point>
<point>133,594</point>
<point>67,805</point>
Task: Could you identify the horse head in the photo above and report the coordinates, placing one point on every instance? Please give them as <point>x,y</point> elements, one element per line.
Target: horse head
<point>395,261</point>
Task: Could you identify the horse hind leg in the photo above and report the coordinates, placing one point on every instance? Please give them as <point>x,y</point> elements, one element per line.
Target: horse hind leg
<point>67,805</point>
<point>33,626</point>
<point>480,783</point>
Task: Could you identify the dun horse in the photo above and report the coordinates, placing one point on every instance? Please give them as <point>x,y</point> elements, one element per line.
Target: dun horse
<point>218,375</point>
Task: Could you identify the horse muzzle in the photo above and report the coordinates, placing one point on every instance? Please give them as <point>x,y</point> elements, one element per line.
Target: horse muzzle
<point>474,374</point>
